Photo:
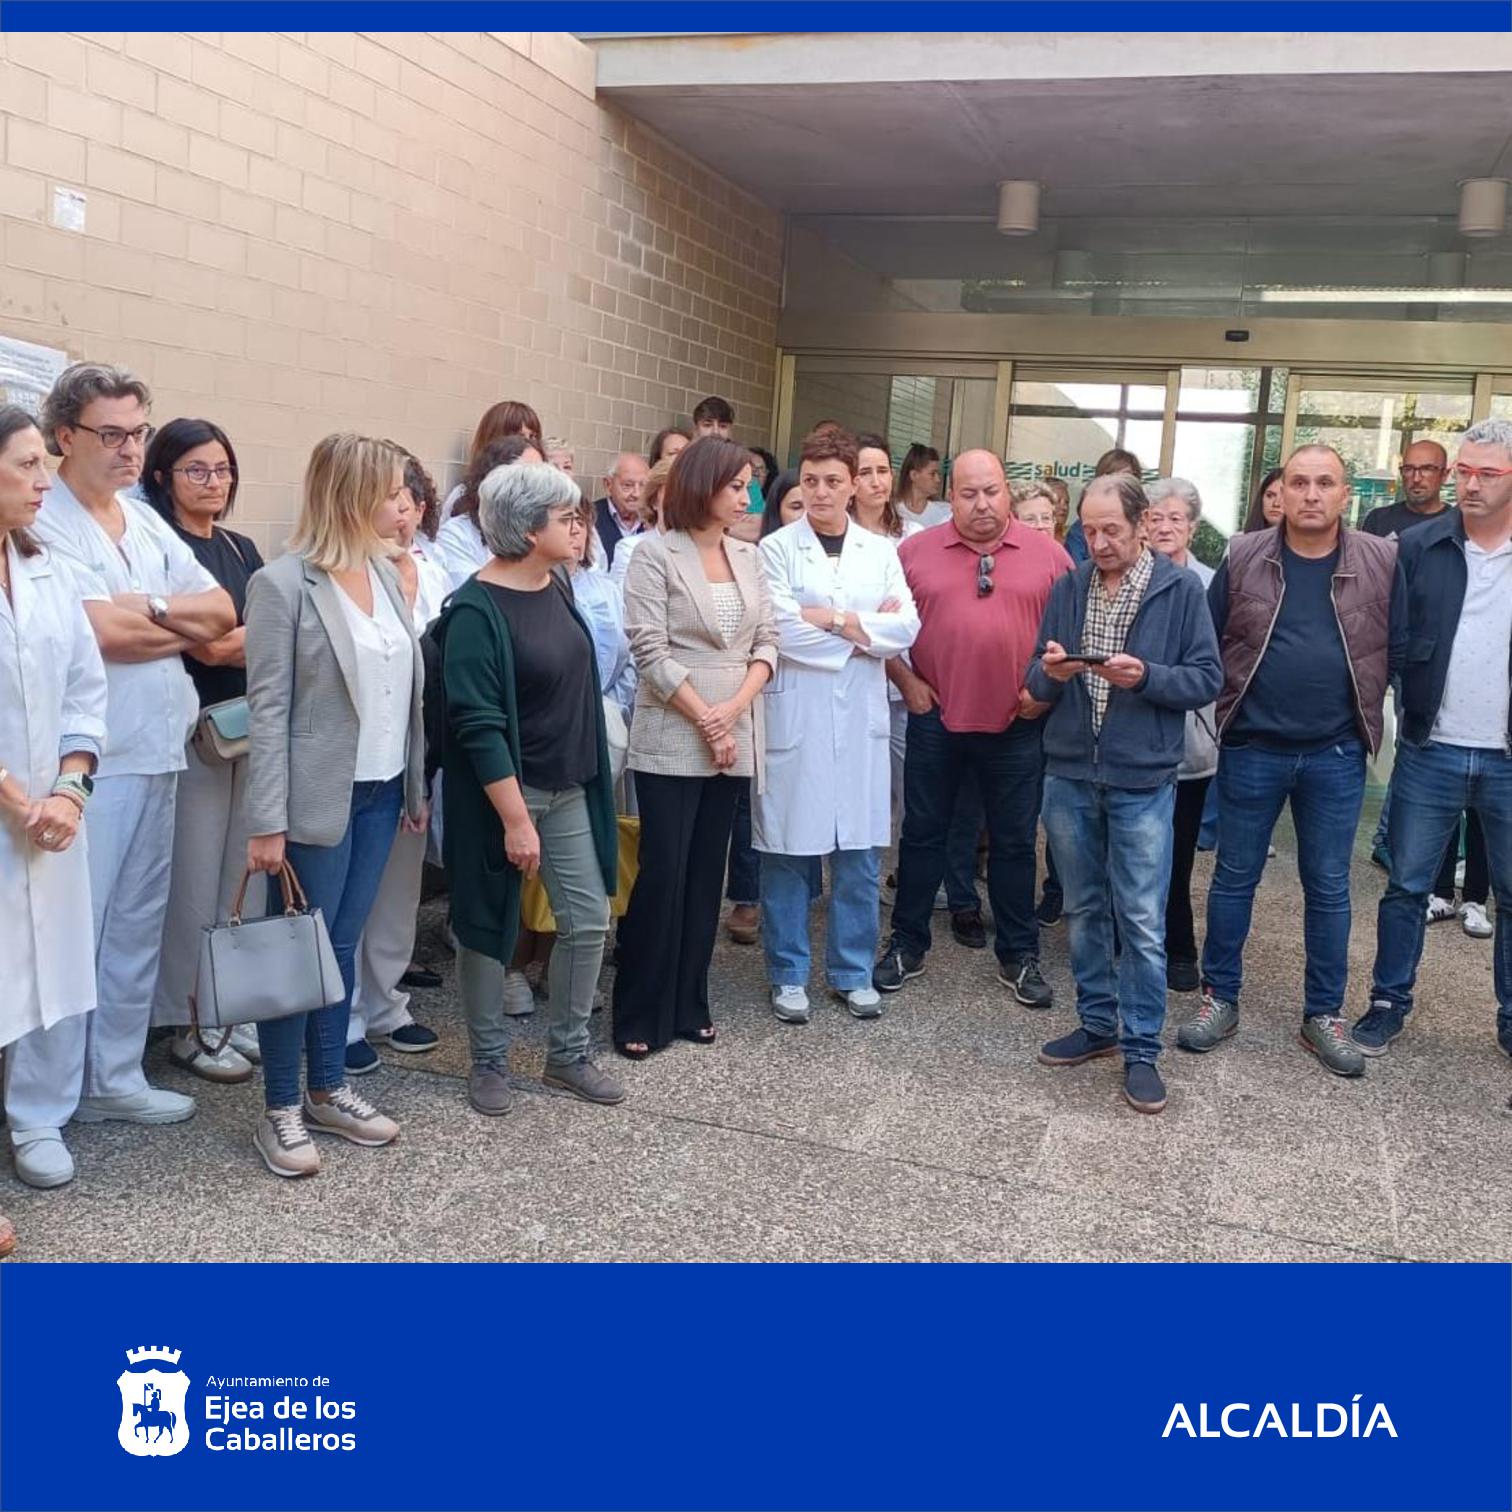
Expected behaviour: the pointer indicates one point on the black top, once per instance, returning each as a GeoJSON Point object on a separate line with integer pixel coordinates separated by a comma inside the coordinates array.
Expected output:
{"type": "Point", "coordinates": [554, 688]}
{"type": "Point", "coordinates": [230, 558]}
{"type": "Point", "coordinates": [1301, 697]}
{"type": "Point", "coordinates": [833, 544]}
{"type": "Point", "coordinates": [1394, 519]}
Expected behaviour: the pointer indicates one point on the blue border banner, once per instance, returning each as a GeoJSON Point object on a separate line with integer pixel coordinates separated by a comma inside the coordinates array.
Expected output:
{"type": "Point", "coordinates": [1402, 16]}
{"type": "Point", "coordinates": [743, 1387]}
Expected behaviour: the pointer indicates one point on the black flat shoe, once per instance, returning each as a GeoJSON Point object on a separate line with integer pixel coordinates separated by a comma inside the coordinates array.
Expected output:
{"type": "Point", "coordinates": [698, 1036]}
{"type": "Point", "coordinates": [633, 1054]}
{"type": "Point", "coordinates": [420, 976]}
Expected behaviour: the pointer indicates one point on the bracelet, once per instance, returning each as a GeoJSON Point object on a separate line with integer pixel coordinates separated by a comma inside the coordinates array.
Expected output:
{"type": "Point", "coordinates": [71, 785]}
{"type": "Point", "coordinates": [73, 796]}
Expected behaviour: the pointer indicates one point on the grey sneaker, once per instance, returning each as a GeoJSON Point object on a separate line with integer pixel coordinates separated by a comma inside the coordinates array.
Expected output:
{"type": "Point", "coordinates": [1214, 1022]}
{"type": "Point", "coordinates": [488, 1090]}
{"type": "Point", "coordinates": [351, 1117]}
{"type": "Point", "coordinates": [1327, 1036]}
{"type": "Point", "coordinates": [285, 1144]}
{"type": "Point", "coordinates": [584, 1079]}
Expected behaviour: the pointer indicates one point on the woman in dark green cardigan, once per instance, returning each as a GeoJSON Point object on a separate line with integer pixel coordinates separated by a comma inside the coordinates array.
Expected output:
{"type": "Point", "coordinates": [528, 784]}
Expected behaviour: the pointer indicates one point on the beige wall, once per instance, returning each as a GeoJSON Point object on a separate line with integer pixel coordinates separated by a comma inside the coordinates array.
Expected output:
{"type": "Point", "coordinates": [386, 233]}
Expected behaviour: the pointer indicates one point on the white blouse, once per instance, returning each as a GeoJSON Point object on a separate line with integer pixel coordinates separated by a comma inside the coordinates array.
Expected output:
{"type": "Point", "coordinates": [385, 672]}
{"type": "Point", "coordinates": [459, 543]}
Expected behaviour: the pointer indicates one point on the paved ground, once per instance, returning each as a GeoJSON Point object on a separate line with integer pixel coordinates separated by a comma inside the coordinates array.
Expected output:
{"type": "Point", "coordinates": [932, 1134]}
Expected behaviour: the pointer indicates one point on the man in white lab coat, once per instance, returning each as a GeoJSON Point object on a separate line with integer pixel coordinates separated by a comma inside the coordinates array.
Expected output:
{"type": "Point", "coordinates": [147, 599]}
{"type": "Point", "coordinates": [842, 607]}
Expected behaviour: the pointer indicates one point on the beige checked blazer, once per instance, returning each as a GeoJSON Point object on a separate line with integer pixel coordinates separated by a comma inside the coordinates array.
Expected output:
{"type": "Point", "coordinates": [674, 637]}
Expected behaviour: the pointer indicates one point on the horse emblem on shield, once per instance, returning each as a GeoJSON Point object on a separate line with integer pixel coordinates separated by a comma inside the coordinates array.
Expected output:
{"type": "Point", "coordinates": [153, 1389]}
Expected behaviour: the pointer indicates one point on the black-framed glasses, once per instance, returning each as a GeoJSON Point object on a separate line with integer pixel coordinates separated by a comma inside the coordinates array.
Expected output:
{"type": "Point", "coordinates": [985, 564]}
{"type": "Point", "coordinates": [200, 473]}
{"type": "Point", "coordinates": [113, 438]}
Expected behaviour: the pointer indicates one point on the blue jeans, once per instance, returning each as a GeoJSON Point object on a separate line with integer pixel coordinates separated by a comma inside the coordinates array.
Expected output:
{"type": "Point", "coordinates": [743, 880]}
{"type": "Point", "coordinates": [854, 920]}
{"type": "Point", "coordinates": [1007, 768]}
{"type": "Point", "coordinates": [1430, 787]}
{"type": "Point", "coordinates": [340, 880]}
{"type": "Point", "coordinates": [1114, 846]}
{"type": "Point", "coordinates": [961, 846]}
{"type": "Point", "coordinates": [1326, 789]}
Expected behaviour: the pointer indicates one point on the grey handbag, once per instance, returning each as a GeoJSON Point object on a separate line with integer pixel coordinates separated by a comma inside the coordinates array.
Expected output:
{"type": "Point", "coordinates": [254, 970]}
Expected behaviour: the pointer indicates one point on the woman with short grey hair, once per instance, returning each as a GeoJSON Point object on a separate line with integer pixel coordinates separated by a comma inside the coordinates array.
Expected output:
{"type": "Point", "coordinates": [527, 784]}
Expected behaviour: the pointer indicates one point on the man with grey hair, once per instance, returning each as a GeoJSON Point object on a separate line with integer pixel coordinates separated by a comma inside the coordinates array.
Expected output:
{"type": "Point", "coordinates": [617, 514]}
{"type": "Point", "coordinates": [148, 600]}
{"type": "Point", "coordinates": [1126, 648]}
{"type": "Point", "coordinates": [1303, 614]}
{"type": "Point", "coordinates": [1452, 647]}
{"type": "Point", "coordinates": [1175, 509]}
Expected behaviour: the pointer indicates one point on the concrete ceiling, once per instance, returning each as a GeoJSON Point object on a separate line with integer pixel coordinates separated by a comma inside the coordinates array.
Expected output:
{"type": "Point", "coordinates": [1188, 147]}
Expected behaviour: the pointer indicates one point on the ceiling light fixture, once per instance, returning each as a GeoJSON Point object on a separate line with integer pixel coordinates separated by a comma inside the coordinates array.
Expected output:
{"type": "Point", "coordinates": [1425, 295]}
{"type": "Point", "coordinates": [1018, 207]}
{"type": "Point", "coordinates": [1483, 207]}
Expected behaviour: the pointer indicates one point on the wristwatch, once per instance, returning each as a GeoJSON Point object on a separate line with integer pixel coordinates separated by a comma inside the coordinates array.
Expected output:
{"type": "Point", "coordinates": [837, 621]}
{"type": "Point", "coordinates": [157, 607]}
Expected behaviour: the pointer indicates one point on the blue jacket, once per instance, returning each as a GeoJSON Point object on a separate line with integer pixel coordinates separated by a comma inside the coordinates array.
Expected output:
{"type": "Point", "coordinates": [1431, 575]}
{"type": "Point", "coordinates": [1144, 730]}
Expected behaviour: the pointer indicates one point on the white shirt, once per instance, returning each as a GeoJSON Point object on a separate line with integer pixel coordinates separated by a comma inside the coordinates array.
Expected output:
{"type": "Point", "coordinates": [432, 586]}
{"type": "Point", "coordinates": [152, 705]}
{"type": "Point", "coordinates": [385, 672]}
{"type": "Point", "coordinates": [459, 544]}
{"type": "Point", "coordinates": [620, 567]}
{"type": "Point", "coordinates": [936, 512]}
{"type": "Point", "coordinates": [1474, 710]}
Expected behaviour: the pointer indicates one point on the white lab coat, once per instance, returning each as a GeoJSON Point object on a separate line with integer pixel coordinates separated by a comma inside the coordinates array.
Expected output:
{"type": "Point", "coordinates": [828, 784]}
{"type": "Point", "coordinates": [52, 697]}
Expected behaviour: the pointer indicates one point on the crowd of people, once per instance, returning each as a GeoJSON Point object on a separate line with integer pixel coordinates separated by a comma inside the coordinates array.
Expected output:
{"type": "Point", "coordinates": [760, 679]}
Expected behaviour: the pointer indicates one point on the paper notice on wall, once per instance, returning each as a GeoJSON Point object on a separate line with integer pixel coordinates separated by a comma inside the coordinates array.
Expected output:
{"type": "Point", "coordinates": [27, 371]}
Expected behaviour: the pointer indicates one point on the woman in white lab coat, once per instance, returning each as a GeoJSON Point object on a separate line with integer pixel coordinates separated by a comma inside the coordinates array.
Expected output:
{"type": "Point", "coordinates": [52, 730]}
{"type": "Point", "coordinates": [842, 607]}
{"type": "Point", "coordinates": [459, 542]}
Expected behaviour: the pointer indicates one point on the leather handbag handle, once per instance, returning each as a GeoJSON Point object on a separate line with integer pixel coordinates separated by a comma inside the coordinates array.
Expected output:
{"type": "Point", "coordinates": [295, 901]}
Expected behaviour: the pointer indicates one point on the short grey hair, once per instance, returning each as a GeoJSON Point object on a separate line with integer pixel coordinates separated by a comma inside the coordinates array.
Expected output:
{"type": "Point", "coordinates": [77, 387]}
{"type": "Point", "coordinates": [1490, 432]}
{"type": "Point", "coordinates": [514, 502]}
{"type": "Point", "coordinates": [1176, 488]}
{"type": "Point", "coordinates": [1130, 491]}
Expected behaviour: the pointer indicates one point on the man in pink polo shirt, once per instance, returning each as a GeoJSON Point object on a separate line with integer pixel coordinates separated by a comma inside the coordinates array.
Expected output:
{"type": "Point", "coordinates": [980, 581]}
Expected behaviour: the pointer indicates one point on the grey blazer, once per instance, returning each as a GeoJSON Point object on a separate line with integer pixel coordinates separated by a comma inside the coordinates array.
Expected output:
{"type": "Point", "coordinates": [674, 636]}
{"type": "Point", "coordinates": [301, 694]}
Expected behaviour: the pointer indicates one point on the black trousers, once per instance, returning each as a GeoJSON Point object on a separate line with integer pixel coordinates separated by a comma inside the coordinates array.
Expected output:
{"type": "Point", "coordinates": [661, 986]}
{"type": "Point", "coordinates": [1477, 872]}
{"type": "Point", "coordinates": [1181, 934]}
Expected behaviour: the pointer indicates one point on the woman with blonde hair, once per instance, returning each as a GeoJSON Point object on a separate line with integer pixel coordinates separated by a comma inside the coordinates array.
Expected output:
{"type": "Point", "coordinates": [336, 762]}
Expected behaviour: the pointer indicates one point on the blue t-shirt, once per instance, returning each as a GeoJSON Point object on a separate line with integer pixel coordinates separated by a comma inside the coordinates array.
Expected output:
{"type": "Point", "coordinates": [1301, 697]}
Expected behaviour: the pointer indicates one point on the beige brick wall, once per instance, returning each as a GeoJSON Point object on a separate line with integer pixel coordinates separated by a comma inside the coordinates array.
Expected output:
{"type": "Point", "coordinates": [385, 233]}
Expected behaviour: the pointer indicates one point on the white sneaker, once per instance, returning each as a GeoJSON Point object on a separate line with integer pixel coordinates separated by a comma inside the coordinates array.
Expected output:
{"type": "Point", "coordinates": [42, 1159]}
{"type": "Point", "coordinates": [351, 1117]}
{"type": "Point", "coordinates": [1475, 923]}
{"type": "Point", "coordinates": [863, 1002]}
{"type": "Point", "coordinates": [791, 1004]}
{"type": "Point", "coordinates": [942, 900]}
{"type": "Point", "coordinates": [519, 1000]}
{"type": "Point", "coordinates": [246, 1044]}
{"type": "Point", "coordinates": [152, 1105]}
{"type": "Point", "coordinates": [1440, 909]}
{"type": "Point", "coordinates": [285, 1144]}
{"type": "Point", "coordinates": [226, 1065]}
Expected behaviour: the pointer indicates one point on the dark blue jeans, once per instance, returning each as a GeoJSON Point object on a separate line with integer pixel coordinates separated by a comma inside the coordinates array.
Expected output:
{"type": "Point", "coordinates": [1007, 768]}
{"type": "Point", "coordinates": [1326, 789]}
{"type": "Point", "coordinates": [1116, 844]}
{"type": "Point", "coordinates": [340, 880]}
{"type": "Point", "coordinates": [1431, 786]}
{"type": "Point", "coordinates": [961, 847]}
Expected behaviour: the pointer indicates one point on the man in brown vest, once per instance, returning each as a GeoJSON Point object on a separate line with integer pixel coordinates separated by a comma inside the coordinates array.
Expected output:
{"type": "Point", "coordinates": [1303, 614]}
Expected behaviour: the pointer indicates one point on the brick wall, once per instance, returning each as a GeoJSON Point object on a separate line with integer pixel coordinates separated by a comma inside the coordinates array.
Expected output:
{"type": "Point", "coordinates": [384, 233]}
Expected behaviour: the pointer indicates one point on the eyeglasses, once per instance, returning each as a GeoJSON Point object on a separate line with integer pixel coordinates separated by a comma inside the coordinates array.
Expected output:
{"type": "Point", "coordinates": [1421, 467]}
{"type": "Point", "coordinates": [1465, 474]}
{"type": "Point", "coordinates": [113, 438]}
{"type": "Point", "coordinates": [985, 564]}
{"type": "Point", "coordinates": [200, 473]}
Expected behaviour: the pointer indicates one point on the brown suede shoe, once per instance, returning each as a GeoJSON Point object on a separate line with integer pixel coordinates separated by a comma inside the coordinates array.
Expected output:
{"type": "Point", "coordinates": [744, 924]}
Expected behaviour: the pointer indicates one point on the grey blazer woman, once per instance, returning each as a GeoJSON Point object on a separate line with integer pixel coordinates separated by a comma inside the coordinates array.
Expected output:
{"type": "Point", "coordinates": [301, 693]}
{"type": "Point", "coordinates": [673, 629]}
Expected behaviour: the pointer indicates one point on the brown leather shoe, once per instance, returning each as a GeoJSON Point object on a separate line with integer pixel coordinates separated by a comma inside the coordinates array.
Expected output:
{"type": "Point", "coordinates": [7, 1236]}
{"type": "Point", "coordinates": [744, 924]}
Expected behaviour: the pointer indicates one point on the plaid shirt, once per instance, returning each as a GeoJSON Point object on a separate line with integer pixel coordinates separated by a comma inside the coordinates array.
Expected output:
{"type": "Point", "coordinates": [1107, 626]}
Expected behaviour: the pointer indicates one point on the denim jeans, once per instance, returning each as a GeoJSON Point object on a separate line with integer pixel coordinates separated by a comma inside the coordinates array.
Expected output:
{"type": "Point", "coordinates": [743, 879]}
{"type": "Point", "coordinates": [853, 924]}
{"type": "Point", "coordinates": [340, 880]}
{"type": "Point", "coordinates": [574, 884]}
{"type": "Point", "coordinates": [1326, 789]}
{"type": "Point", "coordinates": [1008, 768]}
{"type": "Point", "coordinates": [961, 846]}
{"type": "Point", "coordinates": [1114, 846]}
{"type": "Point", "coordinates": [1431, 786]}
